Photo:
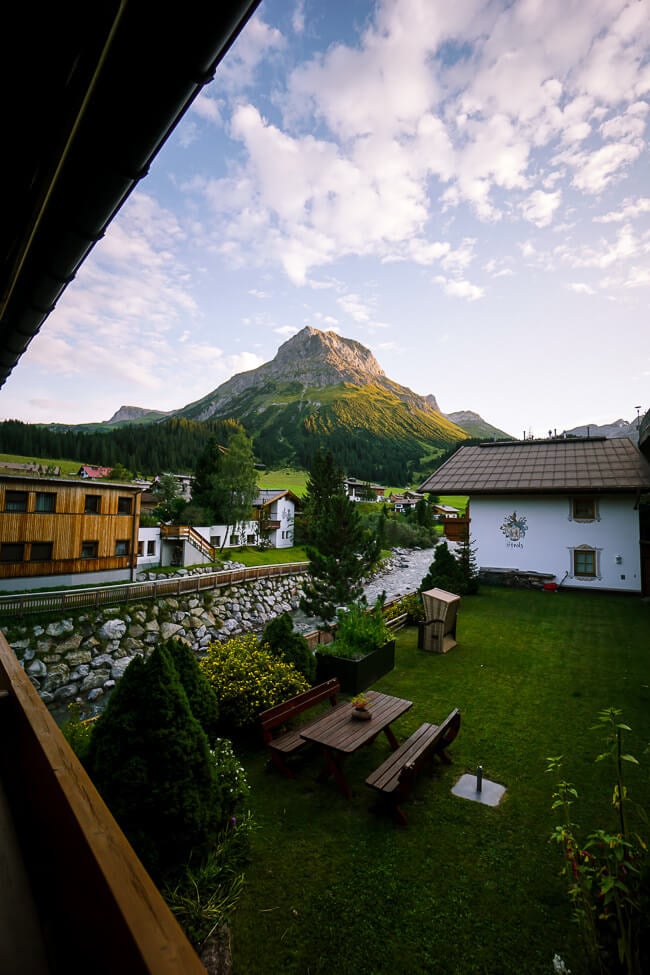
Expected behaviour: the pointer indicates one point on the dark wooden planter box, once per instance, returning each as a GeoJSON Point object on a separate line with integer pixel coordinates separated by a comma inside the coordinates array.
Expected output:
{"type": "Point", "coordinates": [356, 675]}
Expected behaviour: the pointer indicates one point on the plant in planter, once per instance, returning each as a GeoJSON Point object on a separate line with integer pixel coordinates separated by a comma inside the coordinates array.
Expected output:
{"type": "Point", "coordinates": [361, 707]}
{"type": "Point", "coordinates": [363, 649]}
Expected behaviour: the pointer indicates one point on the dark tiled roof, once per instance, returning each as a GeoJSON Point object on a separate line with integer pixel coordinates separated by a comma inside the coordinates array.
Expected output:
{"type": "Point", "coordinates": [553, 466]}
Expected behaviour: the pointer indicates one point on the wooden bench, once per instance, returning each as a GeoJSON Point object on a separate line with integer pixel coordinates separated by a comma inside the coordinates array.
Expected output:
{"type": "Point", "coordinates": [395, 778]}
{"type": "Point", "coordinates": [282, 740]}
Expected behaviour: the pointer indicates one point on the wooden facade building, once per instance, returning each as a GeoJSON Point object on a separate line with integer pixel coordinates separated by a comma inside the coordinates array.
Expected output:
{"type": "Point", "coordinates": [65, 529]}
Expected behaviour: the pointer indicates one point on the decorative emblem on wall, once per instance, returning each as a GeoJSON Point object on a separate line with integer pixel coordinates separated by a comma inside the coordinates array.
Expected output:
{"type": "Point", "coordinates": [514, 527]}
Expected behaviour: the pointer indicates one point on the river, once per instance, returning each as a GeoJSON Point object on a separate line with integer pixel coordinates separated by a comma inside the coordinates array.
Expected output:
{"type": "Point", "coordinates": [408, 567]}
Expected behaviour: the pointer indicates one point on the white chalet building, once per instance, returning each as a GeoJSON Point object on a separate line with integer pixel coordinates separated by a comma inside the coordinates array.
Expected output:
{"type": "Point", "coordinates": [568, 508]}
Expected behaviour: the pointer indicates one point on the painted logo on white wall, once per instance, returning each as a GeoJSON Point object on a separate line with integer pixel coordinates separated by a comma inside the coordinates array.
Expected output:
{"type": "Point", "coordinates": [514, 527]}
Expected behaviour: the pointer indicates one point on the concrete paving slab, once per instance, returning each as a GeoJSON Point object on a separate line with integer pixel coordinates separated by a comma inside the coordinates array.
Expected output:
{"type": "Point", "coordinates": [490, 794]}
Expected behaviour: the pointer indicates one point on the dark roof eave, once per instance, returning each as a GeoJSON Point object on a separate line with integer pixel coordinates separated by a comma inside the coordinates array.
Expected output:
{"type": "Point", "coordinates": [132, 110]}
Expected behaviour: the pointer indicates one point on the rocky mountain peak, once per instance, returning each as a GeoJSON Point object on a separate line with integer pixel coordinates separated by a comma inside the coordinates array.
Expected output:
{"type": "Point", "coordinates": [318, 358]}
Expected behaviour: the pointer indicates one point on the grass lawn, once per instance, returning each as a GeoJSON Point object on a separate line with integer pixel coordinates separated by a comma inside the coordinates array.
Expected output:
{"type": "Point", "coordinates": [68, 467]}
{"type": "Point", "coordinates": [466, 888]}
{"type": "Point", "coordinates": [270, 556]}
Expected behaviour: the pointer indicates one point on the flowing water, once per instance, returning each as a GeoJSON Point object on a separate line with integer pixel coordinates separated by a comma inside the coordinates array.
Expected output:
{"type": "Point", "coordinates": [408, 567]}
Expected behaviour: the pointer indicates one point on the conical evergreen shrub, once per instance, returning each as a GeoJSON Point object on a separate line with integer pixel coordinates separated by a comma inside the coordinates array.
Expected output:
{"type": "Point", "coordinates": [287, 643]}
{"type": "Point", "coordinates": [201, 697]}
{"type": "Point", "coordinates": [150, 760]}
{"type": "Point", "coordinates": [444, 572]}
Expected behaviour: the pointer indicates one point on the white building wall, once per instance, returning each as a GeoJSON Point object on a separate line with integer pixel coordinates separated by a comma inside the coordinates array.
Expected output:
{"type": "Point", "coordinates": [549, 534]}
{"type": "Point", "coordinates": [284, 512]}
{"type": "Point", "coordinates": [150, 539]}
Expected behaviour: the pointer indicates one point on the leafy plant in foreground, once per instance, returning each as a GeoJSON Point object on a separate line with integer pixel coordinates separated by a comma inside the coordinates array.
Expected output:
{"type": "Point", "coordinates": [205, 897]}
{"type": "Point", "coordinates": [607, 873]}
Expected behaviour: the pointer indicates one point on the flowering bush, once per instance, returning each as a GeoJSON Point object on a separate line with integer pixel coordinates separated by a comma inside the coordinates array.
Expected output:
{"type": "Point", "coordinates": [247, 679]}
{"type": "Point", "coordinates": [230, 776]}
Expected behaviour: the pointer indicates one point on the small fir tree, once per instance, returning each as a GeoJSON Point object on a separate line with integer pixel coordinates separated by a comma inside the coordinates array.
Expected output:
{"type": "Point", "coordinates": [468, 567]}
{"type": "Point", "coordinates": [291, 646]}
{"type": "Point", "coordinates": [444, 572]}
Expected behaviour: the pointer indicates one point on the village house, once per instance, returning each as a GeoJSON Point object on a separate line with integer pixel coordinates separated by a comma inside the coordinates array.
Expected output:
{"type": "Point", "coordinates": [57, 531]}
{"type": "Point", "coordinates": [406, 501]}
{"type": "Point", "coordinates": [357, 490]}
{"type": "Point", "coordinates": [271, 524]}
{"type": "Point", "coordinates": [92, 473]}
{"type": "Point", "coordinates": [567, 509]}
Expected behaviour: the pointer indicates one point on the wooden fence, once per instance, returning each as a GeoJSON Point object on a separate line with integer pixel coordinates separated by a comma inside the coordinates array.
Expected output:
{"type": "Point", "coordinates": [56, 601]}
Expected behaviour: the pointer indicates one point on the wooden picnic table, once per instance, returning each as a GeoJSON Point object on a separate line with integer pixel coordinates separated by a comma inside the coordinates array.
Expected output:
{"type": "Point", "coordinates": [340, 734]}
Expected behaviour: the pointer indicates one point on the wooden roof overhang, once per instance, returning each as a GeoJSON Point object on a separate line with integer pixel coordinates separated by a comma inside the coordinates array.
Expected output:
{"type": "Point", "coordinates": [91, 92]}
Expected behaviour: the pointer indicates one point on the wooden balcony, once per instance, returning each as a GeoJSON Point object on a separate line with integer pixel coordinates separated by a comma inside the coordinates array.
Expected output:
{"type": "Point", "coordinates": [74, 896]}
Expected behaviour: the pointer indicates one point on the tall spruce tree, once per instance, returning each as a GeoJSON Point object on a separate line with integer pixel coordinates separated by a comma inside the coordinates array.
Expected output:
{"type": "Point", "coordinates": [150, 760]}
{"type": "Point", "coordinates": [325, 480]}
{"type": "Point", "coordinates": [342, 551]}
{"type": "Point", "coordinates": [225, 481]}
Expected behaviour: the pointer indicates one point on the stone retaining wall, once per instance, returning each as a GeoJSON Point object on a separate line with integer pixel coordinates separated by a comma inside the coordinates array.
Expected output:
{"type": "Point", "coordinates": [80, 657]}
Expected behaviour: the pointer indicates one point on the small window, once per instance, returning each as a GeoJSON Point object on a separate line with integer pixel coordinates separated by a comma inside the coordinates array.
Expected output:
{"type": "Point", "coordinates": [124, 506]}
{"type": "Point", "coordinates": [122, 547]}
{"type": "Point", "coordinates": [584, 509]}
{"type": "Point", "coordinates": [45, 501]}
{"type": "Point", "coordinates": [140, 549]}
{"type": "Point", "coordinates": [151, 547]}
{"type": "Point", "coordinates": [92, 504]}
{"type": "Point", "coordinates": [215, 541]}
{"type": "Point", "coordinates": [16, 501]}
{"type": "Point", "coordinates": [41, 552]}
{"type": "Point", "coordinates": [584, 562]}
{"type": "Point", "coordinates": [89, 550]}
{"type": "Point", "coordinates": [12, 552]}
{"type": "Point", "coordinates": [234, 539]}
{"type": "Point", "coordinates": [250, 539]}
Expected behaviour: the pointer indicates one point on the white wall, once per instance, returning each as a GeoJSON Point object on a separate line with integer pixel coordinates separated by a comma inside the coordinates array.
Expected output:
{"type": "Point", "coordinates": [550, 534]}
{"type": "Point", "coordinates": [148, 535]}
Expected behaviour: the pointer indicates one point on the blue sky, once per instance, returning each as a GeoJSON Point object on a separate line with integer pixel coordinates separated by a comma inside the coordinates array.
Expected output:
{"type": "Point", "coordinates": [462, 187]}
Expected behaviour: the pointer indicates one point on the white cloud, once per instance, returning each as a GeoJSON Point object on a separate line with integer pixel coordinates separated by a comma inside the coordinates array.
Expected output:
{"type": "Point", "coordinates": [539, 207]}
{"type": "Point", "coordinates": [405, 131]}
{"type": "Point", "coordinates": [257, 41]}
{"type": "Point", "coordinates": [459, 288]}
{"type": "Point", "coordinates": [208, 108]}
{"type": "Point", "coordinates": [630, 210]}
{"type": "Point", "coordinates": [595, 170]}
{"type": "Point", "coordinates": [461, 257]}
{"type": "Point", "coordinates": [298, 17]}
{"type": "Point", "coordinates": [581, 289]}
{"type": "Point", "coordinates": [355, 307]}
{"type": "Point", "coordinates": [604, 254]}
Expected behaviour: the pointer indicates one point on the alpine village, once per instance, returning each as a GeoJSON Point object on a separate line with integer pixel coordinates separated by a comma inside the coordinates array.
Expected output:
{"type": "Point", "coordinates": [309, 676]}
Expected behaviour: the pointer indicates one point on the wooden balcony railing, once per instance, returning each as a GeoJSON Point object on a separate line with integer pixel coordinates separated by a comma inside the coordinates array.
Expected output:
{"type": "Point", "coordinates": [186, 533]}
{"type": "Point", "coordinates": [96, 906]}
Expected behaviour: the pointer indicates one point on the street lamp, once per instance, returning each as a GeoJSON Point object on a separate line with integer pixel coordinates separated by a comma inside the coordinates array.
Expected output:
{"type": "Point", "coordinates": [638, 416]}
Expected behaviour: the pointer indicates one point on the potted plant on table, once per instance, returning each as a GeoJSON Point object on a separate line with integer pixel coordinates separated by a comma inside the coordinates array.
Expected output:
{"type": "Point", "coordinates": [363, 649]}
{"type": "Point", "coordinates": [361, 707]}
